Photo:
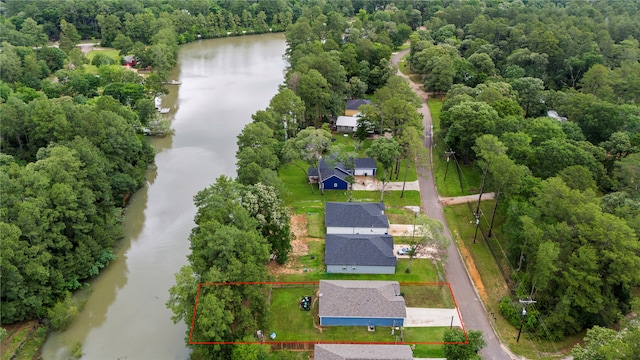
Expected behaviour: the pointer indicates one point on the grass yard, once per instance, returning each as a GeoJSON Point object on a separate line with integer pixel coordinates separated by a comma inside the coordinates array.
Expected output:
{"type": "Point", "coordinates": [315, 225]}
{"type": "Point", "coordinates": [290, 323]}
{"type": "Point", "coordinates": [412, 175]}
{"type": "Point", "coordinates": [449, 185]}
{"type": "Point", "coordinates": [431, 334]}
{"type": "Point", "coordinates": [422, 270]}
{"type": "Point", "coordinates": [301, 200]}
{"type": "Point", "coordinates": [110, 52]}
{"type": "Point", "coordinates": [428, 296]}
{"type": "Point", "coordinates": [400, 215]}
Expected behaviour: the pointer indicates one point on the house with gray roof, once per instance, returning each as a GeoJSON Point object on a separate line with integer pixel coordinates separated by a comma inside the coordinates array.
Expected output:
{"type": "Point", "coordinates": [334, 177]}
{"type": "Point", "coordinates": [359, 254]}
{"type": "Point", "coordinates": [360, 303]}
{"type": "Point", "coordinates": [356, 218]}
{"type": "Point", "coordinates": [347, 124]}
{"type": "Point", "coordinates": [362, 352]}
{"type": "Point", "coordinates": [365, 167]}
{"type": "Point", "coordinates": [353, 106]}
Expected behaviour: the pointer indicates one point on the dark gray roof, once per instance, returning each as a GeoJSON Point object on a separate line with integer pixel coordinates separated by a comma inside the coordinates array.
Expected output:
{"type": "Point", "coordinates": [370, 250]}
{"type": "Point", "coordinates": [356, 298]}
{"type": "Point", "coordinates": [355, 214]}
{"type": "Point", "coordinates": [367, 163]}
{"type": "Point", "coordinates": [339, 169]}
{"type": "Point", "coordinates": [355, 103]}
{"type": "Point", "coordinates": [362, 352]}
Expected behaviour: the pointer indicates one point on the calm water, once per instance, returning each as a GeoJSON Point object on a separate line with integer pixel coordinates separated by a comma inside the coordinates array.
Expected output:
{"type": "Point", "coordinates": [224, 81]}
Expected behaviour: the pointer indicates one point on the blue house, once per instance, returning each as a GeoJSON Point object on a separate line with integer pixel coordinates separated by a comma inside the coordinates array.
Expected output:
{"type": "Point", "coordinates": [330, 178]}
{"type": "Point", "coordinates": [360, 303]}
{"type": "Point", "coordinates": [335, 177]}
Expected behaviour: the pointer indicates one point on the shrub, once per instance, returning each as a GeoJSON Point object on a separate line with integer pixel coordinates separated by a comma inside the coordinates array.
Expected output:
{"type": "Point", "coordinates": [62, 313]}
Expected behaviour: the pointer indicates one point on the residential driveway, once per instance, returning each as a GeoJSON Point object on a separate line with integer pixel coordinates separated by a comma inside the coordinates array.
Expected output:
{"type": "Point", "coordinates": [423, 317]}
{"type": "Point", "coordinates": [425, 253]}
{"type": "Point", "coordinates": [372, 184]}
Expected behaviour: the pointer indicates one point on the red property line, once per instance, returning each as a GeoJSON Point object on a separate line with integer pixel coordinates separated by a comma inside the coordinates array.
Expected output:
{"type": "Point", "coordinates": [195, 307]}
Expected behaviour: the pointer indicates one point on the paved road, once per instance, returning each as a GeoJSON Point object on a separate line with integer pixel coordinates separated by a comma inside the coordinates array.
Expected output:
{"type": "Point", "coordinates": [474, 316]}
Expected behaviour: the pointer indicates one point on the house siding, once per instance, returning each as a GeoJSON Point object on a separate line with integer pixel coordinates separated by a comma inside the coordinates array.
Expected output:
{"type": "Point", "coordinates": [360, 269]}
{"type": "Point", "coordinates": [351, 230]}
{"type": "Point", "coordinates": [335, 183]}
{"type": "Point", "coordinates": [365, 172]}
{"type": "Point", "coordinates": [345, 129]}
{"type": "Point", "coordinates": [349, 321]}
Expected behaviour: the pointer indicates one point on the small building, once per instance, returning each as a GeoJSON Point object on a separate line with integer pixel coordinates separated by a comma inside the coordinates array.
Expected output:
{"type": "Point", "coordinates": [129, 60]}
{"type": "Point", "coordinates": [360, 303]}
{"type": "Point", "coordinates": [356, 218]}
{"type": "Point", "coordinates": [353, 106]}
{"type": "Point", "coordinates": [335, 178]}
{"type": "Point", "coordinates": [362, 352]}
{"type": "Point", "coordinates": [347, 124]}
{"type": "Point", "coordinates": [365, 167]}
{"type": "Point", "coordinates": [359, 254]}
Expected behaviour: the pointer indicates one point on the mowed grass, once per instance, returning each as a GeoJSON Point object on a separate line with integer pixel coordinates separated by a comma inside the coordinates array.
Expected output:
{"type": "Point", "coordinates": [446, 176]}
{"type": "Point", "coordinates": [421, 270]}
{"type": "Point", "coordinates": [110, 52]}
{"type": "Point", "coordinates": [290, 323]}
{"type": "Point", "coordinates": [427, 296]}
{"type": "Point", "coordinates": [302, 200]}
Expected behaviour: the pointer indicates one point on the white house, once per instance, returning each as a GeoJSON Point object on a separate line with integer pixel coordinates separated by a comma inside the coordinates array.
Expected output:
{"type": "Point", "coordinates": [347, 124]}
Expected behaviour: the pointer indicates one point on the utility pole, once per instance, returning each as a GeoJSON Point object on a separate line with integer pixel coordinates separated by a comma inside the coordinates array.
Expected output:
{"type": "Point", "coordinates": [449, 153]}
{"type": "Point", "coordinates": [524, 313]}
{"type": "Point", "coordinates": [477, 216]}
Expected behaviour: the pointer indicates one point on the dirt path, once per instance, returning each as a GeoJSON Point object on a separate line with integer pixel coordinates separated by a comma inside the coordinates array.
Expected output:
{"type": "Point", "coordinates": [299, 247]}
{"type": "Point", "coordinates": [464, 199]}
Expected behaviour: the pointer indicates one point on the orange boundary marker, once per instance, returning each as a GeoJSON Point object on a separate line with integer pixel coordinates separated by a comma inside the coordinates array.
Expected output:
{"type": "Point", "coordinates": [207, 284]}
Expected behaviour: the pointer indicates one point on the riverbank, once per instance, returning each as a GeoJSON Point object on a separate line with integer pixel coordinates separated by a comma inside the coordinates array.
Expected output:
{"type": "Point", "coordinates": [23, 340]}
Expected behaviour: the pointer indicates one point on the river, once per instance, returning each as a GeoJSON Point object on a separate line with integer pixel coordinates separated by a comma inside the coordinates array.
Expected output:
{"type": "Point", "coordinates": [224, 81]}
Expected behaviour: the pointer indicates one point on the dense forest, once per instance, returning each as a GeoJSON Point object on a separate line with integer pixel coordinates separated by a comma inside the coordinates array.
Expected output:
{"type": "Point", "coordinates": [566, 181]}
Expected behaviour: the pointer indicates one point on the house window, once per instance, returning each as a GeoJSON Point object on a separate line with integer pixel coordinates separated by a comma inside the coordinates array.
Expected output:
{"type": "Point", "coordinates": [335, 184]}
{"type": "Point", "coordinates": [344, 267]}
{"type": "Point", "coordinates": [353, 267]}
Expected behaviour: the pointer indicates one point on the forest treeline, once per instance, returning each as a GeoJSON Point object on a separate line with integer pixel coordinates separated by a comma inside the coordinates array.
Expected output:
{"type": "Point", "coordinates": [567, 182]}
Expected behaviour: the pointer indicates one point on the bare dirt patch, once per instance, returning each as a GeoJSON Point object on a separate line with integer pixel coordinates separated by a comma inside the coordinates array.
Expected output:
{"type": "Point", "coordinates": [464, 199]}
{"type": "Point", "coordinates": [471, 268]}
{"type": "Point", "coordinates": [17, 334]}
{"type": "Point", "coordinates": [299, 247]}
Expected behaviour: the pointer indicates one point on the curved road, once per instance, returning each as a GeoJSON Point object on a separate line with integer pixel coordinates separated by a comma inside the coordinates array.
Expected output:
{"type": "Point", "coordinates": [474, 315]}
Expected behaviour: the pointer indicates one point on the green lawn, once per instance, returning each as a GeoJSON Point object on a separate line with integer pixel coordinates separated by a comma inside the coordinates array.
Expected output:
{"type": "Point", "coordinates": [301, 200]}
{"type": "Point", "coordinates": [290, 323]}
{"type": "Point", "coordinates": [412, 175]}
{"type": "Point", "coordinates": [428, 296]}
{"type": "Point", "coordinates": [422, 270]}
{"type": "Point", "coordinates": [112, 53]}
{"type": "Point", "coordinates": [447, 180]}
{"type": "Point", "coordinates": [315, 224]}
